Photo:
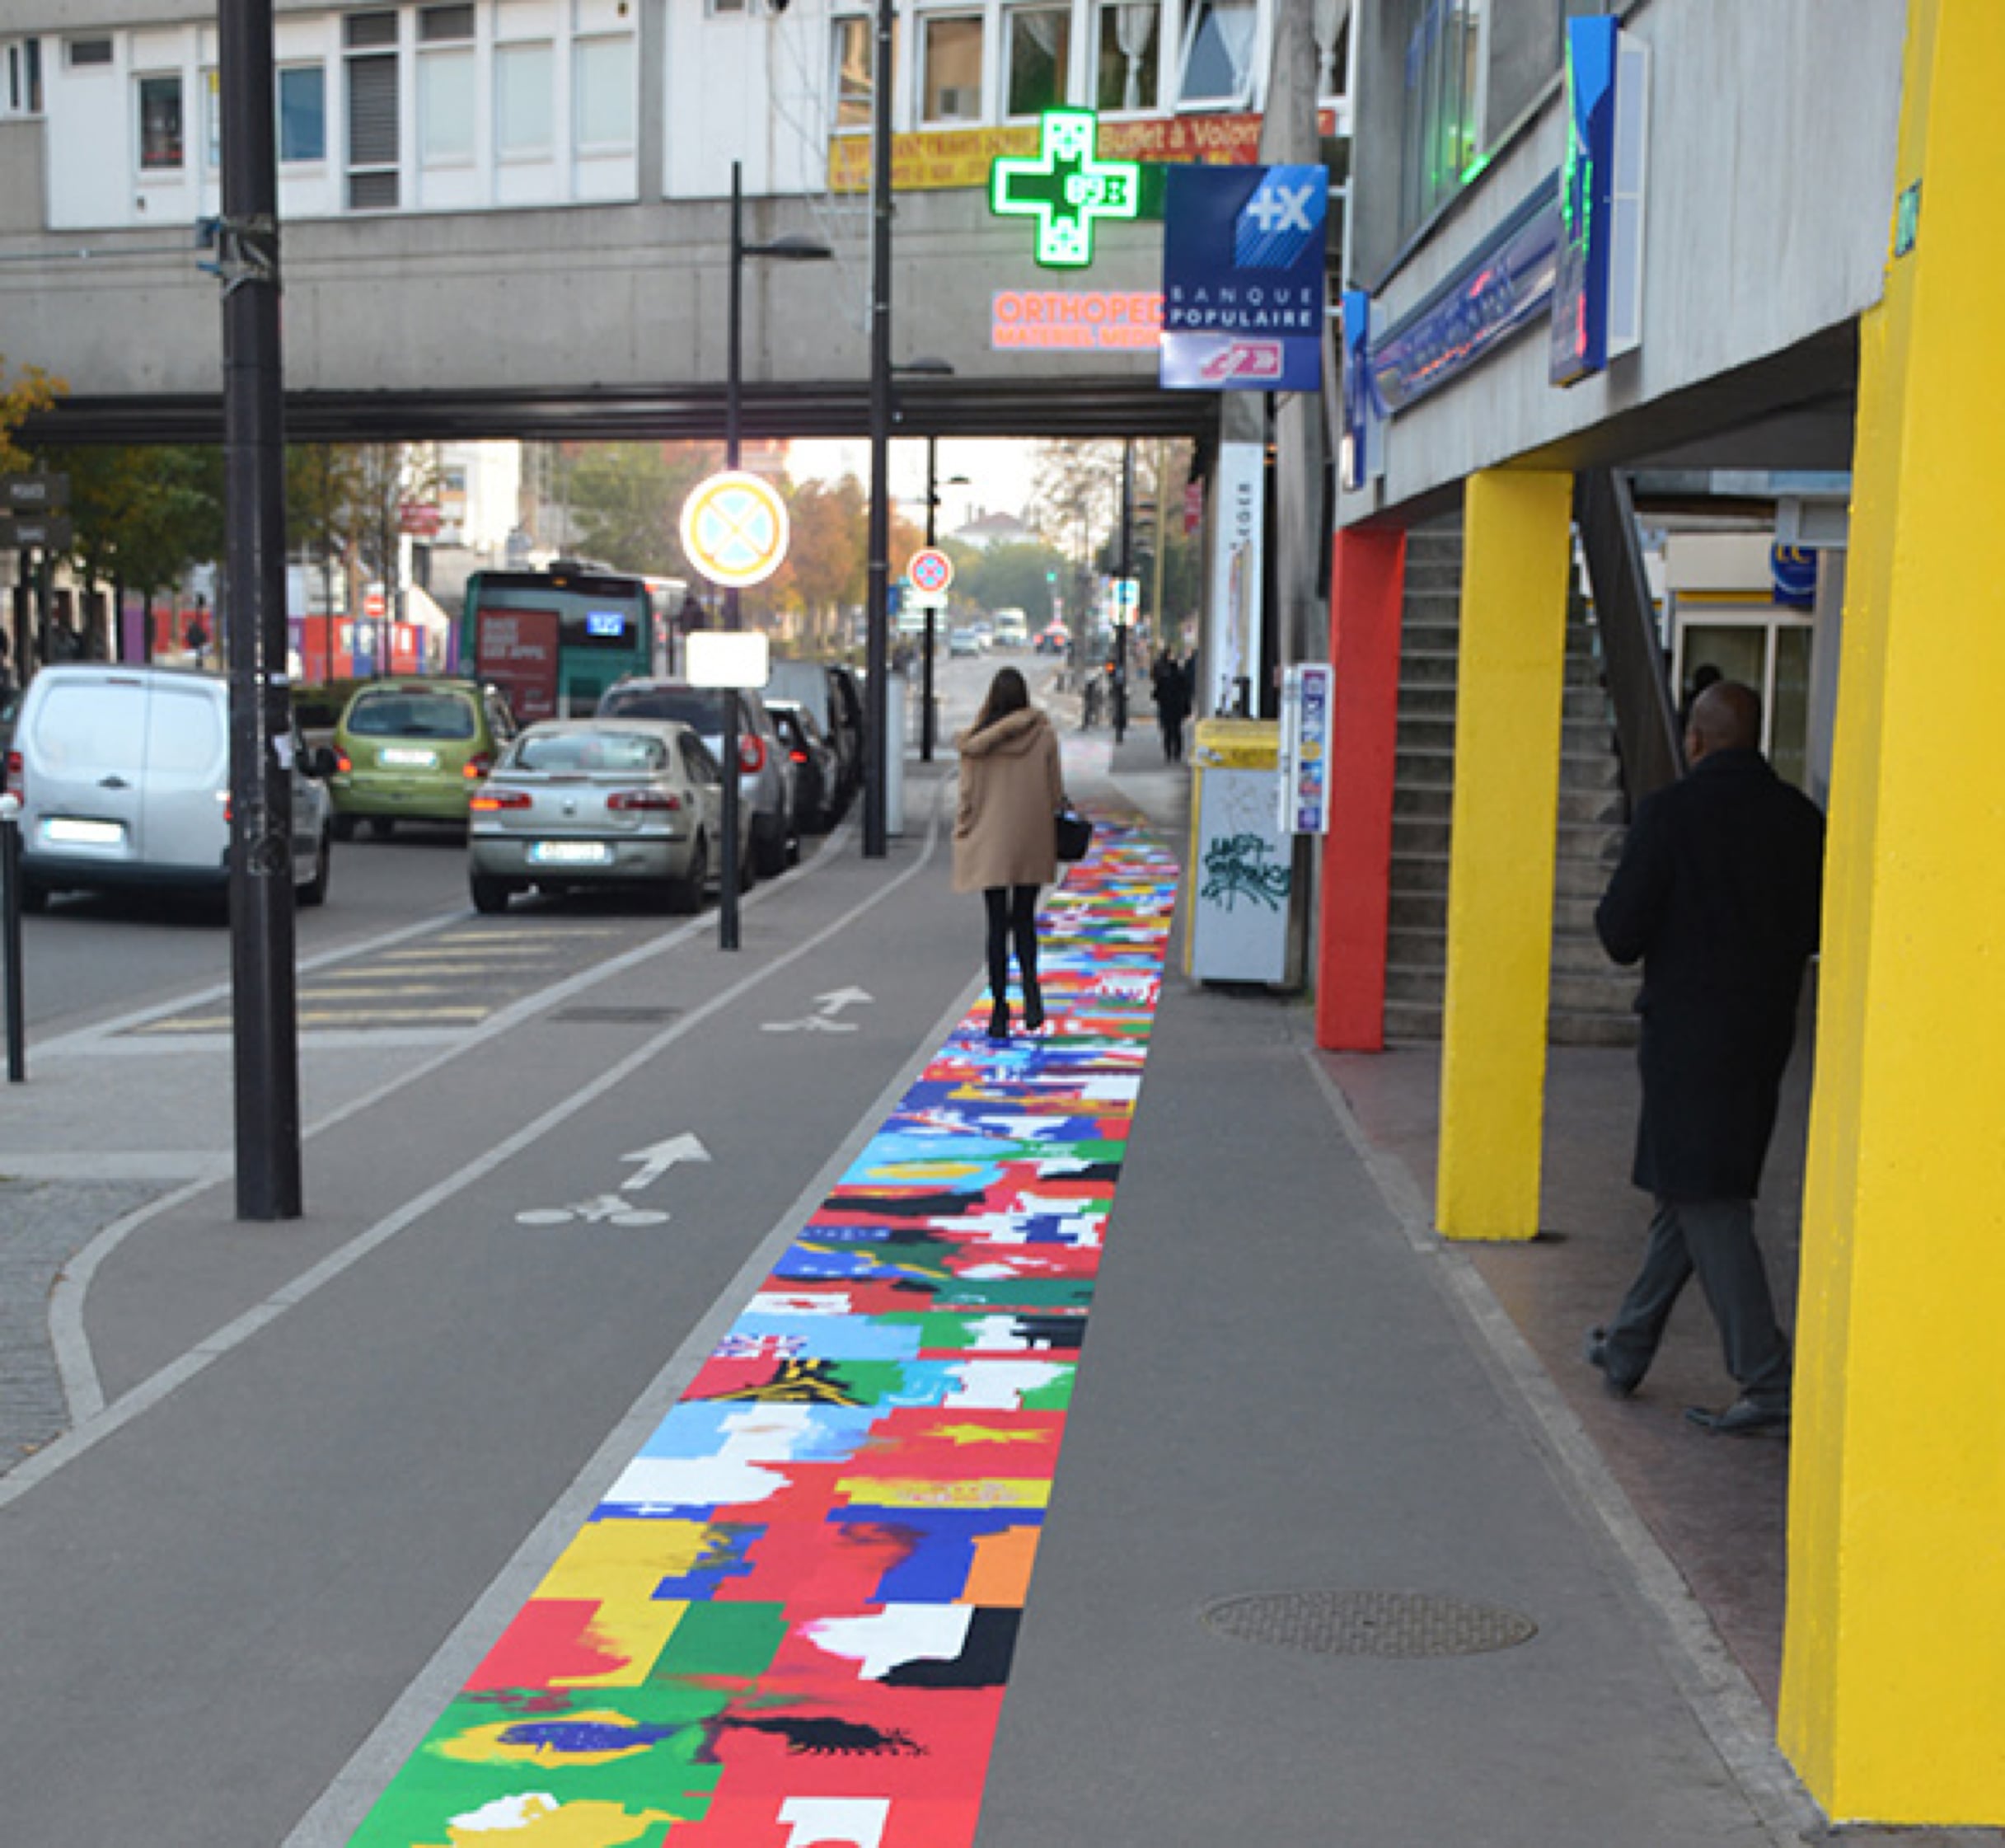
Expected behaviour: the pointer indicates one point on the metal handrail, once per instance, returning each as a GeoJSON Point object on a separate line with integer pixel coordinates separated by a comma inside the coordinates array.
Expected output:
{"type": "Point", "coordinates": [1647, 729]}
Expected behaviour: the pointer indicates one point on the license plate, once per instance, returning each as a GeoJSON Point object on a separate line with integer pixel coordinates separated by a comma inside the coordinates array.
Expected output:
{"type": "Point", "coordinates": [569, 853]}
{"type": "Point", "coordinates": [401, 756]}
{"type": "Point", "coordinates": [72, 832]}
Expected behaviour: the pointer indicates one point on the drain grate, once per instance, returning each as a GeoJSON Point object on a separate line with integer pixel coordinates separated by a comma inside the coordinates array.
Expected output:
{"type": "Point", "coordinates": [1394, 1624]}
{"type": "Point", "coordinates": [615, 1016]}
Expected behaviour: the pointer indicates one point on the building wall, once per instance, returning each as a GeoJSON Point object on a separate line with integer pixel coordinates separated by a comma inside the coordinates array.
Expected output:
{"type": "Point", "coordinates": [1770, 187]}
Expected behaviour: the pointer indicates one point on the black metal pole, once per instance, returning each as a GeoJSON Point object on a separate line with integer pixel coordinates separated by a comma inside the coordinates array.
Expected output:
{"type": "Point", "coordinates": [10, 870]}
{"type": "Point", "coordinates": [877, 650]}
{"type": "Point", "coordinates": [1121, 594]}
{"type": "Point", "coordinates": [925, 657]}
{"type": "Point", "coordinates": [264, 996]}
{"type": "Point", "coordinates": [727, 884]}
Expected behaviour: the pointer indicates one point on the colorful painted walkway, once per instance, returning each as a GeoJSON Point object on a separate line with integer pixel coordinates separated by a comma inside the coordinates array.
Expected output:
{"type": "Point", "coordinates": [789, 1623]}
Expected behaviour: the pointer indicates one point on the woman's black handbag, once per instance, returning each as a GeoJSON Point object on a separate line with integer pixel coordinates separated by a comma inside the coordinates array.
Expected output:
{"type": "Point", "coordinates": [1074, 834]}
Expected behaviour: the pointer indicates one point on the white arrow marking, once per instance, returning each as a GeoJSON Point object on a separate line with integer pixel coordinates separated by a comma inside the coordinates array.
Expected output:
{"type": "Point", "coordinates": [657, 1161]}
{"type": "Point", "coordinates": [831, 1004]}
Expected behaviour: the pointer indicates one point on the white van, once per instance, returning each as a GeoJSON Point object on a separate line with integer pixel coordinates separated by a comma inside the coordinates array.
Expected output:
{"type": "Point", "coordinates": [1012, 629]}
{"type": "Point", "coordinates": [123, 777]}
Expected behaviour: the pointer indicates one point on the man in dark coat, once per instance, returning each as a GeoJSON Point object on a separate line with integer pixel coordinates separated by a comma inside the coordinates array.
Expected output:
{"type": "Point", "coordinates": [1173, 704]}
{"type": "Point", "coordinates": [1718, 892]}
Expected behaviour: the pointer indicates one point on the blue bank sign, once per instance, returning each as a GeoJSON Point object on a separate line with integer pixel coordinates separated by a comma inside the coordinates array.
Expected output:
{"type": "Point", "coordinates": [1243, 278]}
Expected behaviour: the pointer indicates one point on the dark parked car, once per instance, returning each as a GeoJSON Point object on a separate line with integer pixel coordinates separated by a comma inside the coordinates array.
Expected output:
{"type": "Point", "coordinates": [832, 694]}
{"type": "Point", "coordinates": [817, 772]}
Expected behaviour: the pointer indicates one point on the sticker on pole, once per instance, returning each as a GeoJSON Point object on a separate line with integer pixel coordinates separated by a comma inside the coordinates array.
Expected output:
{"type": "Point", "coordinates": [734, 529]}
{"type": "Point", "coordinates": [930, 573]}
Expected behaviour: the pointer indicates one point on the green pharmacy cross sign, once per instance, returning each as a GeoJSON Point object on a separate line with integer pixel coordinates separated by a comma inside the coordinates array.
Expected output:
{"type": "Point", "coordinates": [1064, 188]}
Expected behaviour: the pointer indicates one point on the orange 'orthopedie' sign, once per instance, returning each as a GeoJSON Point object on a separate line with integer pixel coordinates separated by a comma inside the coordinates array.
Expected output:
{"type": "Point", "coordinates": [1081, 320]}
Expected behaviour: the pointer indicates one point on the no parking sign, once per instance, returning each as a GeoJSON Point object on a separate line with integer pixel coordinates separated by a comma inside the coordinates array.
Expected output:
{"type": "Point", "coordinates": [734, 529]}
{"type": "Point", "coordinates": [930, 571]}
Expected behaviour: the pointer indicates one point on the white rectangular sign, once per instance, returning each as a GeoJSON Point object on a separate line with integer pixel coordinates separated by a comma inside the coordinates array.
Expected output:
{"type": "Point", "coordinates": [1232, 599]}
{"type": "Point", "coordinates": [719, 658]}
{"type": "Point", "coordinates": [1308, 691]}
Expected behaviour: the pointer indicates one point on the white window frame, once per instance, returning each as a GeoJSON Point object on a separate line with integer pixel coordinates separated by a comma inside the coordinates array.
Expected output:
{"type": "Point", "coordinates": [159, 172]}
{"type": "Point", "coordinates": [924, 22]}
{"type": "Point", "coordinates": [528, 153]}
{"type": "Point", "coordinates": [1247, 96]}
{"type": "Point", "coordinates": [292, 67]}
{"type": "Point", "coordinates": [1069, 85]}
{"type": "Point", "coordinates": [581, 47]}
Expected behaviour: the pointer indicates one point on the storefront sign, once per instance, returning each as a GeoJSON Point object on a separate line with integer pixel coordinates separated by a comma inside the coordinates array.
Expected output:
{"type": "Point", "coordinates": [937, 160]}
{"type": "Point", "coordinates": [1243, 278]}
{"type": "Point", "coordinates": [1360, 444]}
{"type": "Point", "coordinates": [1495, 293]}
{"type": "Point", "coordinates": [1597, 293]}
{"type": "Point", "coordinates": [1085, 319]}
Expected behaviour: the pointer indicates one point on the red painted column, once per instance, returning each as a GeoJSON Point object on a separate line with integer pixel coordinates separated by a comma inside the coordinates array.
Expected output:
{"type": "Point", "coordinates": [1367, 584]}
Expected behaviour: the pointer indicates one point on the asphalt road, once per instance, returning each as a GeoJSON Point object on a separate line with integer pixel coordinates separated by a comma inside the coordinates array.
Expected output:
{"type": "Point", "coordinates": [309, 1448]}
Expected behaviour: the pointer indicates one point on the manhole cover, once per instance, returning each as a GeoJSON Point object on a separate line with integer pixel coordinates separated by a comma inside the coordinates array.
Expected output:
{"type": "Point", "coordinates": [1368, 1623]}
{"type": "Point", "coordinates": [615, 1016]}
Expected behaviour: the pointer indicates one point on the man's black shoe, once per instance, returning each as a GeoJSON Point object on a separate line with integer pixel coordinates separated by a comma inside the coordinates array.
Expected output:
{"type": "Point", "coordinates": [1595, 1354]}
{"type": "Point", "coordinates": [1742, 1418]}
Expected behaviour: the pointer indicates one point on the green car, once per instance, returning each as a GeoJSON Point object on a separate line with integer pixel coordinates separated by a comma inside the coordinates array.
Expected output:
{"type": "Point", "coordinates": [414, 750]}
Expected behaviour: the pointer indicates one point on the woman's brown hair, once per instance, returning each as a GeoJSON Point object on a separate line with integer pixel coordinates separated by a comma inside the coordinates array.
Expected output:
{"type": "Point", "coordinates": [1007, 693]}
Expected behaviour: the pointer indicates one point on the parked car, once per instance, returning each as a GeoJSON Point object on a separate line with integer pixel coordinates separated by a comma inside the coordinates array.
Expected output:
{"type": "Point", "coordinates": [964, 640]}
{"type": "Point", "coordinates": [10, 708]}
{"type": "Point", "coordinates": [766, 773]}
{"type": "Point", "coordinates": [817, 772]}
{"type": "Point", "coordinates": [412, 750]}
{"type": "Point", "coordinates": [123, 777]}
{"type": "Point", "coordinates": [833, 696]}
{"type": "Point", "coordinates": [577, 804]}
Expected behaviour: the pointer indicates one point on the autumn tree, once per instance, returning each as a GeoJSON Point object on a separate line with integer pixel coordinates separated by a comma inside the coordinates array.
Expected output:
{"type": "Point", "coordinates": [31, 390]}
{"type": "Point", "coordinates": [827, 564]}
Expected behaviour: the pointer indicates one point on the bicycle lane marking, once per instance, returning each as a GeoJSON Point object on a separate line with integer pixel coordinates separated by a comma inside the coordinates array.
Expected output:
{"type": "Point", "coordinates": [791, 1618]}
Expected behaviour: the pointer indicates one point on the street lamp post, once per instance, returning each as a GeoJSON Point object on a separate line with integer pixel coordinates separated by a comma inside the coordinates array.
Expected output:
{"type": "Point", "coordinates": [1120, 592]}
{"type": "Point", "coordinates": [877, 642]}
{"type": "Point", "coordinates": [789, 249]}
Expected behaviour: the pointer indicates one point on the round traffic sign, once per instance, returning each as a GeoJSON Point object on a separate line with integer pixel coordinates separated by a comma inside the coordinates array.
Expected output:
{"type": "Point", "coordinates": [931, 572]}
{"type": "Point", "coordinates": [734, 529]}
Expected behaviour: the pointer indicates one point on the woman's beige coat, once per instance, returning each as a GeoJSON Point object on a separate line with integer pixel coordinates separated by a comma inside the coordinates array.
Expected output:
{"type": "Point", "coordinates": [1010, 788]}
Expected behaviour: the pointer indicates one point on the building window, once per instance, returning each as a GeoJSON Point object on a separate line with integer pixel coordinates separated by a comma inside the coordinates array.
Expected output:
{"type": "Point", "coordinates": [1039, 51]}
{"type": "Point", "coordinates": [83, 53]}
{"type": "Point", "coordinates": [1218, 55]}
{"type": "Point", "coordinates": [22, 94]}
{"type": "Point", "coordinates": [525, 95]}
{"type": "Point", "coordinates": [446, 108]}
{"type": "Point", "coordinates": [1125, 77]}
{"type": "Point", "coordinates": [444, 25]}
{"type": "Point", "coordinates": [374, 123]}
{"type": "Point", "coordinates": [854, 52]}
{"type": "Point", "coordinates": [952, 75]}
{"type": "Point", "coordinates": [302, 113]}
{"type": "Point", "coordinates": [606, 108]}
{"type": "Point", "coordinates": [160, 124]}
{"type": "Point", "coordinates": [1441, 111]}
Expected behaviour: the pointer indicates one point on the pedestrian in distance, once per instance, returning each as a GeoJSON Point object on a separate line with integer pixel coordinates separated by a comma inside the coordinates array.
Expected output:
{"type": "Point", "coordinates": [1173, 704]}
{"type": "Point", "coordinates": [1718, 892]}
{"type": "Point", "coordinates": [1004, 843]}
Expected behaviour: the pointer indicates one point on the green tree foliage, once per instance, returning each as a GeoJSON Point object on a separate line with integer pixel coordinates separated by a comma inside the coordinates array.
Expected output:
{"type": "Point", "coordinates": [142, 517]}
{"type": "Point", "coordinates": [627, 500]}
{"type": "Point", "coordinates": [1015, 577]}
{"type": "Point", "coordinates": [31, 390]}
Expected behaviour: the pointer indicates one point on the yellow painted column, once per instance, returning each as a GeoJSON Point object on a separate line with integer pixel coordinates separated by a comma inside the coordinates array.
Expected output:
{"type": "Point", "coordinates": [1893, 1673]}
{"type": "Point", "coordinates": [1517, 547]}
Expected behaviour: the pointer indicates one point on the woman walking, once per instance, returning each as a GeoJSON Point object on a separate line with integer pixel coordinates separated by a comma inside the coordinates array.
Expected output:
{"type": "Point", "coordinates": [1003, 841]}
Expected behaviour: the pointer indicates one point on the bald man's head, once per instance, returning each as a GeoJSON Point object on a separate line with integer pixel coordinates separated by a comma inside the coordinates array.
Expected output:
{"type": "Point", "coordinates": [1725, 717]}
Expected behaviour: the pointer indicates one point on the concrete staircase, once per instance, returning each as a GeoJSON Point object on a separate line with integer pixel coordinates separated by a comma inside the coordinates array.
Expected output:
{"type": "Point", "coordinates": [1591, 998]}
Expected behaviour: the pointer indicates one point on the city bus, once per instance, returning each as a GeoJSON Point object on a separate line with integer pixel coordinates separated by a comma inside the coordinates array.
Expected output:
{"type": "Point", "coordinates": [554, 640]}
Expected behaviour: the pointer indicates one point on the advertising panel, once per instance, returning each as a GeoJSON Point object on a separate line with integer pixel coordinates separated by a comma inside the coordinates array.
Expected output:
{"type": "Point", "coordinates": [518, 651]}
{"type": "Point", "coordinates": [1244, 257]}
{"type": "Point", "coordinates": [1233, 604]}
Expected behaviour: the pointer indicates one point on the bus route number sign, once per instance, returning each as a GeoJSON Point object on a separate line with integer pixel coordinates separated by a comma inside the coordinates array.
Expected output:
{"type": "Point", "coordinates": [734, 529]}
{"type": "Point", "coordinates": [931, 572]}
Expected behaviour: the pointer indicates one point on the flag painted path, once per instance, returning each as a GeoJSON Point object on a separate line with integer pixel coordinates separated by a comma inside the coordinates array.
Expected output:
{"type": "Point", "coordinates": [789, 1623]}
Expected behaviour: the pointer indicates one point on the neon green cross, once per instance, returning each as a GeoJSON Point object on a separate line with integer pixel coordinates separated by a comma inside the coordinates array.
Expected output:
{"type": "Point", "coordinates": [1064, 188]}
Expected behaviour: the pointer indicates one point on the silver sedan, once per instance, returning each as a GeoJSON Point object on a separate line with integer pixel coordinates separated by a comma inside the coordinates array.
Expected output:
{"type": "Point", "coordinates": [577, 804]}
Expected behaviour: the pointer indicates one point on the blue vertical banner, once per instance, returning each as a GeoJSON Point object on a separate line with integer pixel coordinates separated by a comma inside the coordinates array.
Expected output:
{"type": "Point", "coordinates": [1243, 262]}
{"type": "Point", "coordinates": [1360, 448]}
{"type": "Point", "coordinates": [1586, 203]}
